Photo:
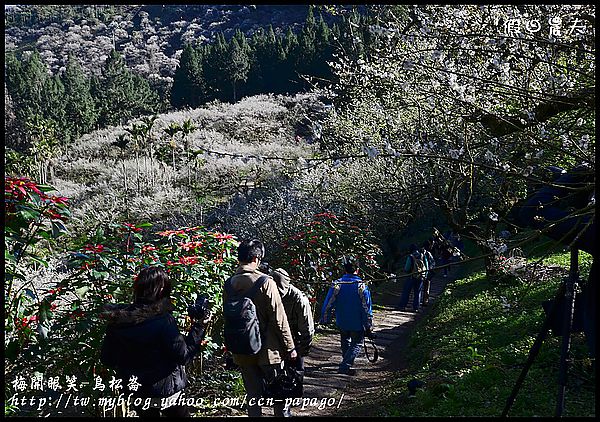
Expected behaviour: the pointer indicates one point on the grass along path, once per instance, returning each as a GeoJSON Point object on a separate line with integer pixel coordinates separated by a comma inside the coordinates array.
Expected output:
{"type": "Point", "coordinates": [472, 347]}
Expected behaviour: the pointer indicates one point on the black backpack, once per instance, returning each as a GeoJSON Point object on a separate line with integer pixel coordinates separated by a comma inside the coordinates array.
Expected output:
{"type": "Point", "coordinates": [242, 333]}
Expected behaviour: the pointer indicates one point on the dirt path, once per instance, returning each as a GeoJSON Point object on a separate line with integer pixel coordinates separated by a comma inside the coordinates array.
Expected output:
{"type": "Point", "coordinates": [328, 393]}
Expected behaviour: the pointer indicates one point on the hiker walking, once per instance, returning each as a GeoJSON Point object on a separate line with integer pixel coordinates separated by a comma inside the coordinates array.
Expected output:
{"type": "Point", "coordinates": [417, 267]}
{"type": "Point", "coordinates": [260, 345]}
{"type": "Point", "coordinates": [298, 312]}
{"type": "Point", "coordinates": [430, 264]}
{"type": "Point", "coordinates": [300, 318]}
{"type": "Point", "coordinates": [351, 299]}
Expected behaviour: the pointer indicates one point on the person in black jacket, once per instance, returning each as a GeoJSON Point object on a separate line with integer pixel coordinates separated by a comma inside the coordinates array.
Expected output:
{"type": "Point", "coordinates": [564, 210]}
{"type": "Point", "coordinates": [142, 340]}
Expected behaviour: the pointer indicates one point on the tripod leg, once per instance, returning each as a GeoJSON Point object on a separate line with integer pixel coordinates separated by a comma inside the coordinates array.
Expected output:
{"type": "Point", "coordinates": [533, 352]}
{"type": "Point", "coordinates": [566, 332]}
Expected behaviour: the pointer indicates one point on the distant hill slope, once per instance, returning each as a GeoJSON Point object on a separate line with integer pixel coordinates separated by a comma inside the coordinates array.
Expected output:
{"type": "Point", "coordinates": [172, 179]}
{"type": "Point", "coordinates": [149, 37]}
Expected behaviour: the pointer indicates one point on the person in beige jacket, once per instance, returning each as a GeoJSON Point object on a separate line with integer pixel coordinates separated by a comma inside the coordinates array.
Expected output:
{"type": "Point", "coordinates": [298, 311]}
{"type": "Point", "coordinates": [276, 336]}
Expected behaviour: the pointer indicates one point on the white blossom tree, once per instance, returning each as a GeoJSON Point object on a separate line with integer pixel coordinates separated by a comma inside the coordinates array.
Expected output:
{"type": "Point", "coordinates": [462, 107]}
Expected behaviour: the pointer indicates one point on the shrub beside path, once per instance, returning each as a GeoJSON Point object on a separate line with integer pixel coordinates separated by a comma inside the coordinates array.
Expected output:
{"type": "Point", "coordinates": [392, 327]}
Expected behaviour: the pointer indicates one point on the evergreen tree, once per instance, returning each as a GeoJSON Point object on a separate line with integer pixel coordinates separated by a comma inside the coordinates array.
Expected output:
{"type": "Point", "coordinates": [323, 51]}
{"type": "Point", "coordinates": [14, 132]}
{"type": "Point", "coordinates": [13, 78]}
{"type": "Point", "coordinates": [307, 42]}
{"type": "Point", "coordinates": [80, 110]}
{"type": "Point", "coordinates": [203, 54]}
{"type": "Point", "coordinates": [145, 100]}
{"type": "Point", "coordinates": [289, 73]}
{"type": "Point", "coordinates": [258, 61]}
{"type": "Point", "coordinates": [53, 110]}
{"type": "Point", "coordinates": [215, 70]}
{"type": "Point", "coordinates": [280, 72]}
{"type": "Point", "coordinates": [33, 81]}
{"type": "Point", "coordinates": [187, 81]}
{"type": "Point", "coordinates": [239, 65]}
{"type": "Point", "coordinates": [121, 94]}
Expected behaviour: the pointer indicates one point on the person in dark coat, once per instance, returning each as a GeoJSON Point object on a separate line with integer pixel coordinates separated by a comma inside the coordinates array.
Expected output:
{"type": "Point", "coordinates": [564, 210]}
{"type": "Point", "coordinates": [142, 340]}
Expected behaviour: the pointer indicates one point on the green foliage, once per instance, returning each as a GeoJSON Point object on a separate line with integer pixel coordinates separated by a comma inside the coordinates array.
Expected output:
{"type": "Point", "coordinates": [268, 62]}
{"type": "Point", "coordinates": [58, 329]}
{"type": "Point", "coordinates": [55, 110]}
{"type": "Point", "coordinates": [34, 220]}
{"type": "Point", "coordinates": [80, 110]}
{"type": "Point", "coordinates": [188, 82]}
{"type": "Point", "coordinates": [313, 257]}
{"type": "Point", "coordinates": [122, 94]}
{"type": "Point", "coordinates": [238, 64]}
{"type": "Point", "coordinates": [471, 349]}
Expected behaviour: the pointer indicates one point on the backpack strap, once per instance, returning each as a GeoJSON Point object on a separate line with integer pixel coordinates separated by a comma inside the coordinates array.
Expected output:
{"type": "Point", "coordinates": [228, 287]}
{"type": "Point", "coordinates": [414, 262]}
{"type": "Point", "coordinates": [251, 291]}
{"type": "Point", "coordinates": [257, 285]}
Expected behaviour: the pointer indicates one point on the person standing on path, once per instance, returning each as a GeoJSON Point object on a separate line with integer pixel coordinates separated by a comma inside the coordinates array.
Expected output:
{"type": "Point", "coordinates": [277, 341]}
{"type": "Point", "coordinates": [298, 312]}
{"type": "Point", "coordinates": [430, 263]}
{"type": "Point", "coordinates": [351, 299]}
{"type": "Point", "coordinates": [417, 267]}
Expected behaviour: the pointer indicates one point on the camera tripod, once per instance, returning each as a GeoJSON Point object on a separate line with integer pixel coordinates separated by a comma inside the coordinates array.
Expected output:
{"type": "Point", "coordinates": [566, 290]}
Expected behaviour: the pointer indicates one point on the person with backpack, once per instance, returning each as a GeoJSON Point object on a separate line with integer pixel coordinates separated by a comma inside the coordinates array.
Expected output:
{"type": "Point", "coordinates": [417, 267]}
{"type": "Point", "coordinates": [142, 341]}
{"type": "Point", "coordinates": [300, 317]}
{"type": "Point", "coordinates": [350, 297]}
{"type": "Point", "coordinates": [430, 264]}
{"type": "Point", "coordinates": [298, 312]}
{"type": "Point", "coordinates": [256, 328]}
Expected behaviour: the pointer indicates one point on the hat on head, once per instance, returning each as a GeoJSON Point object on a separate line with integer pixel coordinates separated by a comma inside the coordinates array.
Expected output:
{"type": "Point", "coordinates": [282, 278]}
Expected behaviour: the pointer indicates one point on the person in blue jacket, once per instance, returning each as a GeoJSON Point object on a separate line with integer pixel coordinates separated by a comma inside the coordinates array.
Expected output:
{"type": "Point", "coordinates": [351, 299]}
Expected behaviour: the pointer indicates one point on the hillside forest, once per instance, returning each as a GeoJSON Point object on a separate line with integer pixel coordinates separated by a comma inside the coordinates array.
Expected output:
{"type": "Point", "coordinates": [164, 135]}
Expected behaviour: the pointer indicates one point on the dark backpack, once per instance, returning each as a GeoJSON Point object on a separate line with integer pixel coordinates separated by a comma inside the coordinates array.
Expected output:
{"type": "Point", "coordinates": [418, 268]}
{"type": "Point", "coordinates": [241, 329]}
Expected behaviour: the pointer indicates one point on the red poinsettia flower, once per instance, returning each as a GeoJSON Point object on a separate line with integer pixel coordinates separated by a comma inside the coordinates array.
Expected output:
{"type": "Point", "coordinates": [171, 232]}
{"type": "Point", "coordinates": [188, 246]}
{"type": "Point", "coordinates": [132, 227]}
{"type": "Point", "coordinates": [148, 248]}
{"type": "Point", "coordinates": [59, 200]}
{"type": "Point", "coordinates": [222, 236]}
{"type": "Point", "coordinates": [94, 248]}
{"type": "Point", "coordinates": [188, 260]}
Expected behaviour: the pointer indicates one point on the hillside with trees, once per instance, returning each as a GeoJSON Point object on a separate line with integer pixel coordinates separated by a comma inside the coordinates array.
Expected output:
{"type": "Point", "coordinates": [164, 135]}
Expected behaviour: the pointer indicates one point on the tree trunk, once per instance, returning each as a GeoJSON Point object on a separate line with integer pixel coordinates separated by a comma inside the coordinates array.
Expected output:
{"type": "Point", "coordinates": [124, 175]}
{"type": "Point", "coordinates": [137, 169]}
